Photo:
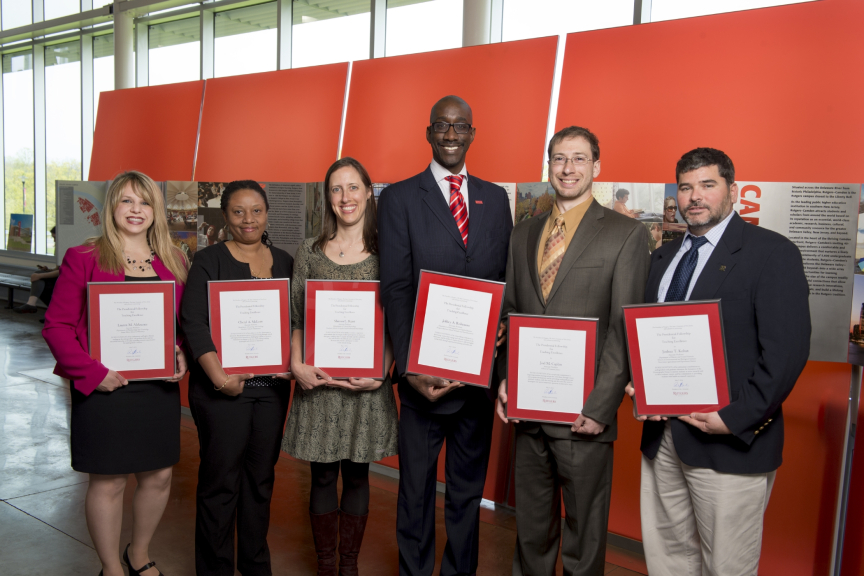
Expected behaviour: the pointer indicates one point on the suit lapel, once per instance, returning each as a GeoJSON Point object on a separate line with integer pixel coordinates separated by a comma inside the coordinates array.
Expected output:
{"type": "Point", "coordinates": [721, 262]}
{"type": "Point", "coordinates": [658, 269]}
{"type": "Point", "coordinates": [438, 206]}
{"type": "Point", "coordinates": [535, 231]}
{"type": "Point", "coordinates": [476, 192]}
{"type": "Point", "coordinates": [589, 227]}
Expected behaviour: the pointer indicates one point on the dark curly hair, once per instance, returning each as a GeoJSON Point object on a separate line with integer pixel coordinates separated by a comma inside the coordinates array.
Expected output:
{"type": "Point", "coordinates": [238, 185]}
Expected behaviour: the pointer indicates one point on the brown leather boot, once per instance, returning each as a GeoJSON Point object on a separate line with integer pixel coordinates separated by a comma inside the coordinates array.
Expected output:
{"type": "Point", "coordinates": [325, 528]}
{"type": "Point", "coordinates": [351, 530]}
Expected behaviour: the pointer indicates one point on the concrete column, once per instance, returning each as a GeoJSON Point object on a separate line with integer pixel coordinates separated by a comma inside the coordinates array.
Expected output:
{"type": "Point", "coordinates": [124, 56]}
{"type": "Point", "coordinates": [476, 22]}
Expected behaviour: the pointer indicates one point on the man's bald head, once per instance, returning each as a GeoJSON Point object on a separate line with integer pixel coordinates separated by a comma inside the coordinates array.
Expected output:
{"type": "Point", "coordinates": [441, 104]}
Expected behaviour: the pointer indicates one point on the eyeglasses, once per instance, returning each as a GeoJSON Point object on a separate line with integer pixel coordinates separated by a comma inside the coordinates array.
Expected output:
{"type": "Point", "coordinates": [671, 208]}
{"type": "Point", "coordinates": [444, 127]}
{"type": "Point", "coordinates": [576, 160]}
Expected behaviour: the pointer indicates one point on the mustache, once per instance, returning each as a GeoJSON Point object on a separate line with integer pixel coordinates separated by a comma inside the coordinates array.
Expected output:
{"type": "Point", "coordinates": [695, 205]}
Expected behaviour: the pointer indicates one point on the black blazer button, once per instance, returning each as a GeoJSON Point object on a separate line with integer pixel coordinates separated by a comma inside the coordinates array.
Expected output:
{"type": "Point", "coordinates": [468, 260]}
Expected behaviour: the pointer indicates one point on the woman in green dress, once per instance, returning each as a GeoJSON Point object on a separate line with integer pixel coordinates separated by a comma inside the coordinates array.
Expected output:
{"type": "Point", "coordinates": [339, 423]}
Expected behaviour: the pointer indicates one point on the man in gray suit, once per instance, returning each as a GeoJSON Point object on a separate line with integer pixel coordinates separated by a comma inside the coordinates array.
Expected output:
{"type": "Point", "coordinates": [582, 260]}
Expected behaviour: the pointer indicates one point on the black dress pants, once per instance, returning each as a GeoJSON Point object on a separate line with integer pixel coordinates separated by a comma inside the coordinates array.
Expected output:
{"type": "Point", "coordinates": [240, 438]}
{"type": "Point", "coordinates": [469, 434]}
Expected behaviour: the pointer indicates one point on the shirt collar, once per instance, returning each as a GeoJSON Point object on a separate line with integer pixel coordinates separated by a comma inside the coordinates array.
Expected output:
{"type": "Point", "coordinates": [439, 172]}
{"type": "Point", "coordinates": [573, 216]}
{"type": "Point", "coordinates": [713, 236]}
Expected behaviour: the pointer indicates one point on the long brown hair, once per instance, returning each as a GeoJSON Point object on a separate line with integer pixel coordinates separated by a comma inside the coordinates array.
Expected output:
{"type": "Point", "coordinates": [370, 222]}
{"type": "Point", "coordinates": [110, 243]}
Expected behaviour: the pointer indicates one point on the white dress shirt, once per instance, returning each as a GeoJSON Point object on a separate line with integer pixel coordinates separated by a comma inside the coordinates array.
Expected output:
{"type": "Point", "coordinates": [440, 173]}
{"type": "Point", "coordinates": [713, 236]}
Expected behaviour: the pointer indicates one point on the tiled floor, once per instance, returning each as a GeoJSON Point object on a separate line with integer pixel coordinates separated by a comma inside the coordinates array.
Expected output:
{"type": "Point", "coordinates": [42, 528]}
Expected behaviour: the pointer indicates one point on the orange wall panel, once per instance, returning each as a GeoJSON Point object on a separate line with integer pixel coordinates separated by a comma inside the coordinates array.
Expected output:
{"type": "Point", "coordinates": [150, 129]}
{"type": "Point", "coordinates": [778, 89]}
{"type": "Point", "coordinates": [508, 86]}
{"type": "Point", "coordinates": [272, 127]}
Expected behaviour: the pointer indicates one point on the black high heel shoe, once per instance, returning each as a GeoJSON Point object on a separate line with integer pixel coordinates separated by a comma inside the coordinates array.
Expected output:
{"type": "Point", "coordinates": [132, 571]}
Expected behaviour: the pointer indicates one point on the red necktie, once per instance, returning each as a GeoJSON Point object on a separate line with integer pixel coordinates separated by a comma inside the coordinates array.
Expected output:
{"type": "Point", "coordinates": [457, 205]}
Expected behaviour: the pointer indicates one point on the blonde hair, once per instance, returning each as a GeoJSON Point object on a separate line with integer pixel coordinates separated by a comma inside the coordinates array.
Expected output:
{"type": "Point", "coordinates": [110, 243]}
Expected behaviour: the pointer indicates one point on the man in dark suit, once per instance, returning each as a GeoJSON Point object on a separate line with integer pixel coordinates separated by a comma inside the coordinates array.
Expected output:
{"type": "Point", "coordinates": [706, 478]}
{"type": "Point", "coordinates": [442, 220]}
{"type": "Point", "coordinates": [579, 260]}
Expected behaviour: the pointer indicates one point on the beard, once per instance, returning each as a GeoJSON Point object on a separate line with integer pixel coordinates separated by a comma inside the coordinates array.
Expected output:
{"type": "Point", "coordinates": [709, 219]}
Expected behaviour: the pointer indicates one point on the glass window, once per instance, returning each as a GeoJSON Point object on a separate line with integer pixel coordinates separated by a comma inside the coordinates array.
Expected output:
{"type": "Point", "coordinates": [16, 13]}
{"type": "Point", "coordinates": [175, 51]}
{"type": "Point", "coordinates": [62, 123]}
{"type": "Point", "coordinates": [672, 9]}
{"type": "Point", "coordinates": [100, 3]}
{"type": "Point", "coordinates": [18, 190]}
{"type": "Point", "coordinates": [531, 18]}
{"type": "Point", "coordinates": [103, 69]}
{"type": "Point", "coordinates": [423, 25]}
{"type": "Point", "coordinates": [245, 40]}
{"type": "Point", "coordinates": [58, 8]}
{"type": "Point", "coordinates": [323, 35]}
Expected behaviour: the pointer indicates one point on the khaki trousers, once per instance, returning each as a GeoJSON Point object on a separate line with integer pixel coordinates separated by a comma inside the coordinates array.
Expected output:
{"type": "Point", "coordinates": [699, 522]}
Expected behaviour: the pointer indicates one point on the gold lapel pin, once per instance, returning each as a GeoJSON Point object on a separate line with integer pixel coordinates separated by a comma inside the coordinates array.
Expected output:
{"type": "Point", "coordinates": [722, 268]}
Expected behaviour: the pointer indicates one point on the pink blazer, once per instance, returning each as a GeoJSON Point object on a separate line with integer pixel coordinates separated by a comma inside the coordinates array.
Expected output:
{"type": "Point", "coordinates": [66, 319]}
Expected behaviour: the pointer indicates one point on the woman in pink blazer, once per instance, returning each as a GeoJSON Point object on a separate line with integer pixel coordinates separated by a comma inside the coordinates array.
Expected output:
{"type": "Point", "coordinates": [119, 427]}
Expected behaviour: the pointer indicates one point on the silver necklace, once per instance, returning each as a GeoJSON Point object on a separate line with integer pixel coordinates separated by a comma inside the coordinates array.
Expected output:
{"type": "Point", "coordinates": [342, 252]}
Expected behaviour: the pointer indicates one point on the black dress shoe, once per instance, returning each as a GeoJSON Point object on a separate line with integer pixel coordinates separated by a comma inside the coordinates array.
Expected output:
{"type": "Point", "coordinates": [25, 309]}
{"type": "Point", "coordinates": [132, 571]}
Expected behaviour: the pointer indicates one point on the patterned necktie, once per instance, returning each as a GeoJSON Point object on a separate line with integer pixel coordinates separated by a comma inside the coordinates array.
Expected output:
{"type": "Point", "coordinates": [457, 205]}
{"type": "Point", "coordinates": [684, 272]}
{"type": "Point", "coordinates": [553, 253]}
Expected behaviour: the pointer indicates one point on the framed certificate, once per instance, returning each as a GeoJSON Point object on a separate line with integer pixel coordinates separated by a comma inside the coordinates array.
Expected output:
{"type": "Point", "coordinates": [455, 325]}
{"type": "Point", "coordinates": [250, 323]}
{"type": "Point", "coordinates": [344, 328]}
{"type": "Point", "coordinates": [677, 357]}
{"type": "Point", "coordinates": [131, 328]}
{"type": "Point", "coordinates": [550, 366]}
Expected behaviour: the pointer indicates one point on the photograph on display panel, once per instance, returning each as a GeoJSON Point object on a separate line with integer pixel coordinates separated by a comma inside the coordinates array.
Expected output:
{"type": "Point", "coordinates": [212, 228]}
{"type": "Point", "coordinates": [856, 323]}
{"type": "Point", "coordinates": [673, 223]}
{"type": "Point", "coordinates": [20, 232]}
{"type": "Point", "coordinates": [643, 202]}
{"type": "Point", "coordinates": [79, 209]}
{"type": "Point", "coordinates": [210, 194]}
{"type": "Point", "coordinates": [314, 208]}
{"type": "Point", "coordinates": [859, 241]}
{"type": "Point", "coordinates": [181, 205]}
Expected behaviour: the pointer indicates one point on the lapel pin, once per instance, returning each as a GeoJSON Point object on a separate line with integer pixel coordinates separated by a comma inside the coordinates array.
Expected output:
{"type": "Point", "coordinates": [478, 201]}
{"type": "Point", "coordinates": [723, 268]}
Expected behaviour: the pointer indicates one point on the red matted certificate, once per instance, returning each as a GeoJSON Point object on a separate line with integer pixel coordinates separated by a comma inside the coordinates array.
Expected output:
{"type": "Point", "coordinates": [550, 367]}
{"type": "Point", "coordinates": [250, 323]}
{"type": "Point", "coordinates": [132, 329]}
{"type": "Point", "coordinates": [455, 325]}
{"type": "Point", "coordinates": [677, 357]}
{"type": "Point", "coordinates": [344, 328]}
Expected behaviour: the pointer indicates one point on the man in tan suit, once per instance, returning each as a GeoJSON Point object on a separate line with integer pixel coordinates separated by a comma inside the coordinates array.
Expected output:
{"type": "Point", "coordinates": [580, 260]}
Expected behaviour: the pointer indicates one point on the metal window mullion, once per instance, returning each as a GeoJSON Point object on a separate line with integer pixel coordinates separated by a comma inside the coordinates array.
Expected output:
{"type": "Point", "coordinates": [142, 54]}
{"type": "Point", "coordinates": [641, 11]}
{"type": "Point", "coordinates": [39, 169]}
{"type": "Point", "coordinates": [2, 148]}
{"type": "Point", "coordinates": [207, 44]}
{"type": "Point", "coordinates": [88, 97]}
{"type": "Point", "coordinates": [284, 30]}
{"type": "Point", "coordinates": [38, 11]}
{"type": "Point", "coordinates": [496, 24]}
{"type": "Point", "coordinates": [378, 33]}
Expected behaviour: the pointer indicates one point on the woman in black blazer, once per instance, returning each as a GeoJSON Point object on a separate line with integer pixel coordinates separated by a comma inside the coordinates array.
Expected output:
{"type": "Point", "coordinates": [239, 417]}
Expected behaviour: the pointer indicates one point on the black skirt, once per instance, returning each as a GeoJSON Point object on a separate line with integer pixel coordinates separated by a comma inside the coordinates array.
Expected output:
{"type": "Point", "coordinates": [135, 428]}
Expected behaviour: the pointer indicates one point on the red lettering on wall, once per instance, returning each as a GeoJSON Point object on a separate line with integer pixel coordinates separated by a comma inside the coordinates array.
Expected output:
{"type": "Point", "coordinates": [748, 207]}
{"type": "Point", "coordinates": [751, 188]}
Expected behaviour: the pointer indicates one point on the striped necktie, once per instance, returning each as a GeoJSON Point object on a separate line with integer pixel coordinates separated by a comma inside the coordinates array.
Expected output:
{"type": "Point", "coordinates": [553, 253]}
{"type": "Point", "coordinates": [677, 290]}
{"type": "Point", "coordinates": [457, 205]}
